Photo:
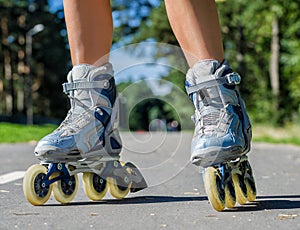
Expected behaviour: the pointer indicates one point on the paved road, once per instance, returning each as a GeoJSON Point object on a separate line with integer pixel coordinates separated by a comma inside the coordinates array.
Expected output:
{"type": "Point", "coordinates": [174, 200]}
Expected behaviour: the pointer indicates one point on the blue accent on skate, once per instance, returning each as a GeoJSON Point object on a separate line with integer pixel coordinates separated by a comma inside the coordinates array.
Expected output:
{"type": "Point", "coordinates": [187, 84]}
{"type": "Point", "coordinates": [114, 143]}
{"type": "Point", "coordinates": [222, 171]}
{"type": "Point", "coordinates": [102, 138]}
{"type": "Point", "coordinates": [111, 92]}
{"type": "Point", "coordinates": [53, 168]}
{"type": "Point", "coordinates": [221, 149]}
{"type": "Point", "coordinates": [104, 117]}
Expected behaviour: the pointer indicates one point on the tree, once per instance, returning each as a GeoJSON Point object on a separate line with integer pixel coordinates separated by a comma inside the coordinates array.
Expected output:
{"type": "Point", "coordinates": [248, 37]}
{"type": "Point", "coordinates": [270, 75]}
{"type": "Point", "coordinates": [50, 59]}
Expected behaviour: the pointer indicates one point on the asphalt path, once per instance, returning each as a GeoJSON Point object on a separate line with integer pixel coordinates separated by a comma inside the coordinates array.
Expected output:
{"type": "Point", "coordinates": [175, 198]}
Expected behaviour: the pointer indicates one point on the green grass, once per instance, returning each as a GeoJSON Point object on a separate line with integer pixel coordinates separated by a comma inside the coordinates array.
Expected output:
{"type": "Point", "coordinates": [12, 133]}
{"type": "Point", "coordinates": [289, 134]}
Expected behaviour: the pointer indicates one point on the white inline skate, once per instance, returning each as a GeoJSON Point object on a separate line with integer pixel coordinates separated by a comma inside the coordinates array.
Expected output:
{"type": "Point", "coordinates": [222, 134]}
{"type": "Point", "coordinates": [87, 142]}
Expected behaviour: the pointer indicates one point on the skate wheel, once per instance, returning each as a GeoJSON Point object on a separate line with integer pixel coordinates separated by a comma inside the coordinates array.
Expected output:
{"type": "Point", "coordinates": [213, 187]}
{"type": "Point", "coordinates": [230, 199]}
{"type": "Point", "coordinates": [65, 190]}
{"type": "Point", "coordinates": [95, 187]}
{"type": "Point", "coordinates": [116, 190]}
{"type": "Point", "coordinates": [240, 188]}
{"type": "Point", "coordinates": [251, 189]}
{"type": "Point", "coordinates": [250, 182]}
{"type": "Point", "coordinates": [34, 190]}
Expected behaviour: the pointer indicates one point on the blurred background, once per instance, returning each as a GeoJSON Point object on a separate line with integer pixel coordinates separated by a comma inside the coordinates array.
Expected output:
{"type": "Point", "coordinates": [261, 40]}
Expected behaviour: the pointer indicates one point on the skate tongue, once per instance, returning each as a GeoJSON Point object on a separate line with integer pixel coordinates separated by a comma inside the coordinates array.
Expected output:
{"type": "Point", "coordinates": [203, 70]}
{"type": "Point", "coordinates": [206, 67]}
{"type": "Point", "coordinates": [82, 99]}
{"type": "Point", "coordinates": [80, 71]}
{"type": "Point", "coordinates": [89, 72]}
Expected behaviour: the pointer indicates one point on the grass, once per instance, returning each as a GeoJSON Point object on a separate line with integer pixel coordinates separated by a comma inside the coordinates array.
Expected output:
{"type": "Point", "coordinates": [289, 134]}
{"type": "Point", "coordinates": [13, 133]}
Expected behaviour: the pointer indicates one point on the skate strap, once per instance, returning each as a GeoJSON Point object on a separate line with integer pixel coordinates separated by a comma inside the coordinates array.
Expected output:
{"type": "Point", "coordinates": [229, 79]}
{"type": "Point", "coordinates": [70, 86]}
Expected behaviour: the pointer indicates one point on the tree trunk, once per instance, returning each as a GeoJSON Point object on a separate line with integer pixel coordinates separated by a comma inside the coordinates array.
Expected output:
{"type": "Point", "coordinates": [274, 61]}
{"type": "Point", "coordinates": [8, 92]}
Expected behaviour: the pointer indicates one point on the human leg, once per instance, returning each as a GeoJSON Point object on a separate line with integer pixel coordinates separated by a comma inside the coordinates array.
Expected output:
{"type": "Point", "coordinates": [210, 82]}
{"type": "Point", "coordinates": [90, 30]}
{"type": "Point", "coordinates": [222, 127]}
{"type": "Point", "coordinates": [91, 85]}
{"type": "Point", "coordinates": [87, 140]}
{"type": "Point", "coordinates": [196, 26]}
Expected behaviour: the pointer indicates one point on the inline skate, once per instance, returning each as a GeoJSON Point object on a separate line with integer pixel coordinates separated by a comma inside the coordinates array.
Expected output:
{"type": "Point", "coordinates": [87, 142]}
{"type": "Point", "coordinates": [222, 134]}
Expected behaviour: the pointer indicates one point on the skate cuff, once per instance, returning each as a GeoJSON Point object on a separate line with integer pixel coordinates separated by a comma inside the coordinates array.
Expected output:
{"type": "Point", "coordinates": [104, 84]}
{"type": "Point", "coordinates": [229, 79]}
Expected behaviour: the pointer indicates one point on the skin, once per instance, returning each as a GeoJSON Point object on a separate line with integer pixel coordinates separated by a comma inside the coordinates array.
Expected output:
{"type": "Point", "coordinates": [195, 24]}
{"type": "Point", "coordinates": [90, 30]}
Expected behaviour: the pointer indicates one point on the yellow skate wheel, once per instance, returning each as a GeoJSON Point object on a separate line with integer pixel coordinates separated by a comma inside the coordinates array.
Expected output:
{"type": "Point", "coordinates": [240, 188]}
{"type": "Point", "coordinates": [214, 191]}
{"type": "Point", "coordinates": [65, 190]}
{"type": "Point", "coordinates": [117, 191]}
{"type": "Point", "coordinates": [230, 199]}
{"type": "Point", "coordinates": [251, 189]}
{"type": "Point", "coordinates": [250, 182]}
{"type": "Point", "coordinates": [34, 190]}
{"type": "Point", "coordinates": [95, 187]}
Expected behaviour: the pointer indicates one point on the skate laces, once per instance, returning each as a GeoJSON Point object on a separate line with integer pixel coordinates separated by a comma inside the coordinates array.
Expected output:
{"type": "Point", "coordinates": [212, 122]}
{"type": "Point", "coordinates": [74, 122]}
{"type": "Point", "coordinates": [211, 96]}
{"type": "Point", "coordinates": [211, 116]}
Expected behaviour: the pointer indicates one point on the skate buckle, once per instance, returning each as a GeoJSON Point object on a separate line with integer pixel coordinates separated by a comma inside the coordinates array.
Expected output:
{"type": "Point", "coordinates": [233, 79]}
{"type": "Point", "coordinates": [228, 79]}
{"type": "Point", "coordinates": [86, 85]}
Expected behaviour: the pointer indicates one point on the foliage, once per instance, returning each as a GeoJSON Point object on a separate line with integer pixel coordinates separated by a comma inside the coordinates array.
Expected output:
{"type": "Point", "coordinates": [49, 63]}
{"type": "Point", "coordinates": [128, 17]}
{"type": "Point", "coordinates": [247, 33]}
{"type": "Point", "coordinates": [141, 106]}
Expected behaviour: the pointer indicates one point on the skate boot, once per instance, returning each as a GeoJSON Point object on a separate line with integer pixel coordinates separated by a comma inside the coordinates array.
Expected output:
{"type": "Point", "coordinates": [87, 142]}
{"type": "Point", "coordinates": [222, 133]}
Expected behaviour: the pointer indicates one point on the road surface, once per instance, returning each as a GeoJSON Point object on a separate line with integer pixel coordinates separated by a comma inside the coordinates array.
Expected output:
{"type": "Point", "coordinates": [175, 198]}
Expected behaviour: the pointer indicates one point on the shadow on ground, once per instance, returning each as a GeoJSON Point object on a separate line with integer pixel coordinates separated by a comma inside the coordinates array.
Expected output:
{"type": "Point", "coordinates": [261, 203]}
{"type": "Point", "coordinates": [269, 203]}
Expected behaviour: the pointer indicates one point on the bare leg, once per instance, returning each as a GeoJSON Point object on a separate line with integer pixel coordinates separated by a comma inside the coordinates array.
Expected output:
{"type": "Point", "coordinates": [196, 26]}
{"type": "Point", "coordinates": [90, 29]}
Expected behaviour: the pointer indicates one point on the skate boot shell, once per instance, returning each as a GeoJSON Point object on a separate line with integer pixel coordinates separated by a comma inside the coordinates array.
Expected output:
{"type": "Point", "coordinates": [222, 134]}
{"type": "Point", "coordinates": [89, 128]}
{"type": "Point", "coordinates": [87, 142]}
{"type": "Point", "coordinates": [222, 127]}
